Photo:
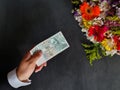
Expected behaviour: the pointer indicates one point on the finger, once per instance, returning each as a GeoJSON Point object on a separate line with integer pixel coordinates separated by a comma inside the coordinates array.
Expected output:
{"type": "Point", "coordinates": [35, 56]}
{"type": "Point", "coordinates": [38, 68]}
{"type": "Point", "coordinates": [27, 56]}
{"type": "Point", "coordinates": [45, 64]}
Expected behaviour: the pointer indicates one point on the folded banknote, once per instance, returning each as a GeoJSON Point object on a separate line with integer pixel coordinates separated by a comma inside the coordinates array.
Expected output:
{"type": "Point", "coordinates": [51, 47]}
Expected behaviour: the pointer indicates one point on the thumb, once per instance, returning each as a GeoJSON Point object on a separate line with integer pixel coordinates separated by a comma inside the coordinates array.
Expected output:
{"type": "Point", "coordinates": [35, 56]}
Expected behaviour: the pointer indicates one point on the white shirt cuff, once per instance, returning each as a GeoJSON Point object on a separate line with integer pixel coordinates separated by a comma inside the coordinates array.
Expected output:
{"type": "Point", "coordinates": [14, 81]}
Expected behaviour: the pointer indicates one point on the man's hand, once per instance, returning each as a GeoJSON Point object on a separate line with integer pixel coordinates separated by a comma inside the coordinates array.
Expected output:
{"type": "Point", "coordinates": [28, 66]}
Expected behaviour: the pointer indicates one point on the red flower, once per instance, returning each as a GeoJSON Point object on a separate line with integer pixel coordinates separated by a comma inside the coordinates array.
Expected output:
{"type": "Point", "coordinates": [89, 12]}
{"type": "Point", "coordinates": [117, 41]}
{"type": "Point", "coordinates": [97, 32]}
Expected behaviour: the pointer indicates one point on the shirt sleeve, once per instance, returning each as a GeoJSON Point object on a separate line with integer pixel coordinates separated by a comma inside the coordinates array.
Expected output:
{"type": "Point", "coordinates": [14, 81]}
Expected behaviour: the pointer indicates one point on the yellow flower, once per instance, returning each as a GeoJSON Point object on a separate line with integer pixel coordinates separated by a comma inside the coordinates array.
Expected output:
{"type": "Point", "coordinates": [108, 44]}
{"type": "Point", "coordinates": [87, 24]}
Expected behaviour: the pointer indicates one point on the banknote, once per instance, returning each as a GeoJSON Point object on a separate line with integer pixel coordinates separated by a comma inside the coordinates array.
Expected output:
{"type": "Point", "coordinates": [51, 47]}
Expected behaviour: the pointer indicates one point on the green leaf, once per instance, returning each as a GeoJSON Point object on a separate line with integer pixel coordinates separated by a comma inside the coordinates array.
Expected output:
{"type": "Point", "coordinates": [115, 30]}
{"type": "Point", "coordinates": [103, 52]}
{"type": "Point", "coordinates": [75, 2]}
{"type": "Point", "coordinates": [92, 52]}
{"type": "Point", "coordinates": [86, 45]}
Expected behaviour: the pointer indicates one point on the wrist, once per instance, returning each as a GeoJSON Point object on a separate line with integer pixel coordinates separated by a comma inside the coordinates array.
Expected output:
{"type": "Point", "coordinates": [14, 81]}
{"type": "Point", "coordinates": [20, 76]}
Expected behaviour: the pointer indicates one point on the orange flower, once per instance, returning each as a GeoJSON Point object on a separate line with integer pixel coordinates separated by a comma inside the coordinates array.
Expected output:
{"type": "Point", "coordinates": [89, 12]}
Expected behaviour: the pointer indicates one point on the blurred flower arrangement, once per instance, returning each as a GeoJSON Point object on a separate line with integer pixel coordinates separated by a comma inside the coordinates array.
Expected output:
{"type": "Point", "coordinates": [100, 22]}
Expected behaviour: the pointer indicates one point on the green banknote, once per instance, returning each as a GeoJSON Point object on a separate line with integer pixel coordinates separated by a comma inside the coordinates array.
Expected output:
{"type": "Point", "coordinates": [51, 47]}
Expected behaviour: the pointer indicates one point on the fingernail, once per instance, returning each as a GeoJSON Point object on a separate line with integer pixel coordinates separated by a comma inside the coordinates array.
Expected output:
{"type": "Point", "coordinates": [36, 71]}
{"type": "Point", "coordinates": [45, 65]}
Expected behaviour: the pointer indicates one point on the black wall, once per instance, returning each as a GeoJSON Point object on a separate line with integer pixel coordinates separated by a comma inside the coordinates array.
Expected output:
{"type": "Point", "coordinates": [24, 23]}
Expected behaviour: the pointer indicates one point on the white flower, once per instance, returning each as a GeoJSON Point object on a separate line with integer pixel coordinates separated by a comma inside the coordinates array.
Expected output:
{"type": "Point", "coordinates": [104, 6]}
{"type": "Point", "coordinates": [98, 21]}
{"type": "Point", "coordinates": [112, 52]}
{"type": "Point", "coordinates": [82, 0]}
{"type": "Point", "coordinates": [118, 12]}
{"type": "Point", "coordinates": [84, 30]}
{"type": "Point", "coordinates": [91, 38]}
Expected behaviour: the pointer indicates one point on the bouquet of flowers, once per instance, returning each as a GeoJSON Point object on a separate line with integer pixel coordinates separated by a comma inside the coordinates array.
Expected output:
{"type": "Point", "coordinates": [100, 22]}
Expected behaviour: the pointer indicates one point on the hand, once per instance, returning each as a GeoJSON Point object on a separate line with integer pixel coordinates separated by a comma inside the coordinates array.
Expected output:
{"type": "Point", "coordinates": [28, 66]}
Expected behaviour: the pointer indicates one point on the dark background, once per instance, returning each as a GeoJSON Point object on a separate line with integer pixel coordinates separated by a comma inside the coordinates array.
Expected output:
{"type": "Point", "coordinates": [25, 23]}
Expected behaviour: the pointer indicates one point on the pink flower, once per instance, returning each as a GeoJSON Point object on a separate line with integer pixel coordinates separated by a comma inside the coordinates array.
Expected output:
{"type": "Point", "coordinates": [97, 32]}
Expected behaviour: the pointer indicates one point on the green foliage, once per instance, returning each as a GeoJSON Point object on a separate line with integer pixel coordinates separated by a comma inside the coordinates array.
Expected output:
{"type": "Point", "coordinates": [92, 52]}
{"type": "Point", "coordinates": [103, 52]}
{"type": "Point", "coordinates": [76, 3]}
{"type": "Point", "coordinates": [115, 30]}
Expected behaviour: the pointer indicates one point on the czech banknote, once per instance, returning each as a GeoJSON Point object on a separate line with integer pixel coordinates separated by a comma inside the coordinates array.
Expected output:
{"type": "Point", "coordinates": [51, 47]}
